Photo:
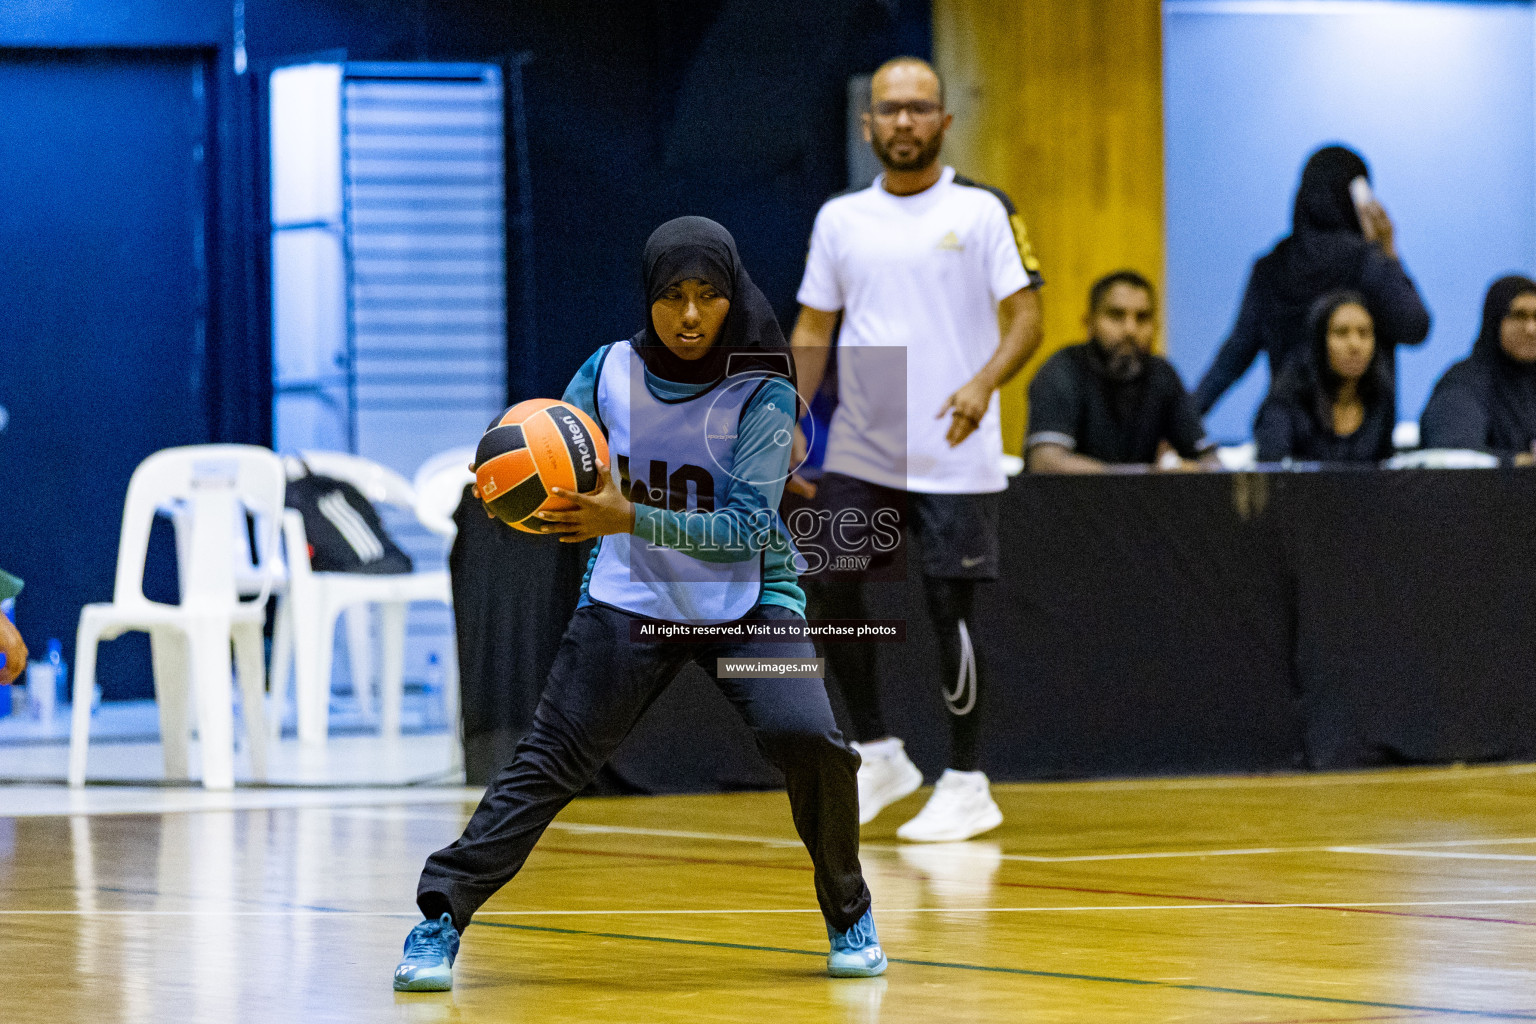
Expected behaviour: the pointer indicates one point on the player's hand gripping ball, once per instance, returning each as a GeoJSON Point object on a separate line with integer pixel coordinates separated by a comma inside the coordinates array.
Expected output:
{"type": "Point", "coordinates": [530, 449]}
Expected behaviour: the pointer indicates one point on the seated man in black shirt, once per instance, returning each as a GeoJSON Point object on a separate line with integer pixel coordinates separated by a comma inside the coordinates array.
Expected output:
{"type": "Point", "coordinates": [1109, 401]}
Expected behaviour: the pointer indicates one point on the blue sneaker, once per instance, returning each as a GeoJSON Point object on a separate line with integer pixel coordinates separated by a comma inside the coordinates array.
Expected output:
{"type": "Point", "coordinates": [856, 953]}
{"type": "Point", "coordinates": [429, 953]}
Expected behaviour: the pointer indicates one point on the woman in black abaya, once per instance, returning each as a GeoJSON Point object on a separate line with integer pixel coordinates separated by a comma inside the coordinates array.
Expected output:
{"type": "Point", "coordinates": [1330, 247]}
{"type": "Point", "coordinates": [1487, 402]}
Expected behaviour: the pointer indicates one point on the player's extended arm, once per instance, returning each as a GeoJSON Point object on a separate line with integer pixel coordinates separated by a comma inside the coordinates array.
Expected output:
{"type": "Point", "coordinates": [1019, 321]}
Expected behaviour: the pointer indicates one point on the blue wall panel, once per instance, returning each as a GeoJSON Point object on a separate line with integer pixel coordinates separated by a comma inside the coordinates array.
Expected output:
{"type": "Point", "coordinates": [102, 344]}
{"type": "Point", "coordinates": [1439, 97]}
{"type": "Point", "coordinates": [74, 23]}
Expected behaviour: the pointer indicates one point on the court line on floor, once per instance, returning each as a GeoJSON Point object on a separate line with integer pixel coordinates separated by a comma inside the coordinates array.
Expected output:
{"type": "Point", "coordinates": [315, 911]}
{"type": "Point", "coordinates": [1364, 777]}
{"type": "Point", "coordinates": [253, 798]}
{"type": "Point", "coordinates": [1378, 848]}
{"type": "Point", "coordinates": [1024, 972]}
{"type": "Point", "coordinates": [33, 800]}
{"type": "Point", "coordinates": [1229, 905]}
{"type": "Point", "coordinates": [583, 828]}
{"type": "Point", "coordinates": [1447, 854]}
{"type": "Point", "coordinates": [919, 876]}
{"type": "Point", "coordinates": [1259, 903]}
{"type": "Point", "coordinates": [1345, 1020]}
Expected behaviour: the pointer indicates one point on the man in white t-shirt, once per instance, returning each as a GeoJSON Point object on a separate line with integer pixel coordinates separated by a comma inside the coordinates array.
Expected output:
{"type": "Point", "coordinates": [935, 284]}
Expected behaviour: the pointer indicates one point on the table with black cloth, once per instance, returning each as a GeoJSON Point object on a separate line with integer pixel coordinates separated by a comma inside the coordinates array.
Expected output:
{"type": "Point", "coordinates": [1149, 624]}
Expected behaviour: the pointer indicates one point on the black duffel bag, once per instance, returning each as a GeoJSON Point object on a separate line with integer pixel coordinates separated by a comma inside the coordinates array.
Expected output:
{"type": "Point", "coordinates": [344, 530]}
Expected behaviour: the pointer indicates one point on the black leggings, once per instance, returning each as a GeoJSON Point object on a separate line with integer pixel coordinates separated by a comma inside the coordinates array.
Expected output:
{"type": "Point", "coordinates": [951, 609]}
{"type": "Point", "coordinates": [600, 685]}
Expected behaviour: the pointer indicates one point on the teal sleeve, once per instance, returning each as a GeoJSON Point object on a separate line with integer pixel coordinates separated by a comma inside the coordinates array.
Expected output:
{"type": "Point", "coordinates": [10, 586]}
{"type": "Point", "coordinates": [582, 390]}
{"type": "Point", "coordinates": [582, 393]}
{"type": "Point", "coordinates": [747, 520]}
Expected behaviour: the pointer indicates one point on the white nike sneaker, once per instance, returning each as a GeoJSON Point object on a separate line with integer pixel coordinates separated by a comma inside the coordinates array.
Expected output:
{"type": "Point", "coordinates": [886, 775]}
{"type": "Point", "coordinates": [961, 807]}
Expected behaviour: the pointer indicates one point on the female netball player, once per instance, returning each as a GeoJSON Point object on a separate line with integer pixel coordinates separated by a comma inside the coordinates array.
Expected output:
{"type": "Point", "coordinates": [699, 427]}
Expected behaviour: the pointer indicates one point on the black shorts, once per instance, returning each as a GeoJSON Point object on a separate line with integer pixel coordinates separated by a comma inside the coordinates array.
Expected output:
{"type": "Point", "coordinates": [856, 529]}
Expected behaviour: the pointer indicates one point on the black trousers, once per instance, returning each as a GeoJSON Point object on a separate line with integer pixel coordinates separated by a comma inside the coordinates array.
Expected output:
{"type": "Point", "coordinates": [959, 543]}
{"type": "Point", "coordinates": [599, 686]}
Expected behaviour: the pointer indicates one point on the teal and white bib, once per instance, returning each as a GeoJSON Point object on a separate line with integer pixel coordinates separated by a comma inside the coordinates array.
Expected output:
{"type": "Point", "coordinates": [676, 455]}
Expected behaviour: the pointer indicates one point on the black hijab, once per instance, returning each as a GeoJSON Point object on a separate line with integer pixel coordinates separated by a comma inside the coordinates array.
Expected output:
{"type": "Point", "coordinates": [697, 247]}
{"type": "Point", "coordinates": [1501, 295]}
{"type": "Point", "coordinates": [1488, 400]}
{"type": "Point", "coordinates": [1326, 246]}
{"type": "Point", "coordinates": [1511, 384]}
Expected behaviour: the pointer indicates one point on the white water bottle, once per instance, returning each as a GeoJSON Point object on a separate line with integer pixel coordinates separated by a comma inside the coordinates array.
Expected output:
{"type": "Point", "coordinates": [432, 714]}
{"type": "Point", "coordinates": [43, 683]}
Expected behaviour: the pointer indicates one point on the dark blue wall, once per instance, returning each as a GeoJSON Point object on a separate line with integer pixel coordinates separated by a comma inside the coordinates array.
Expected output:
{"type": "Point", "coordinates": [636, 112]}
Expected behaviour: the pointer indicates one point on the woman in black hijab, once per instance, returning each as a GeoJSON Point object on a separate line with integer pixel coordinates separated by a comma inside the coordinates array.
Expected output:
{"type": "Point", "coordinates": [1328, 248]}
{"type": "Point", "coordinates": [700, 399]}
{"type": "Point", "coordinates": [700, 249]}
{"type": "Point", "coordinates": [1334, 403]}
{"type": "Point", "coordinates": [1487, 402]}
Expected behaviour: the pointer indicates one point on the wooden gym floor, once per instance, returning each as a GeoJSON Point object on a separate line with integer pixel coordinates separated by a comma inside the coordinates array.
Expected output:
{"type": "Point", "coordinates": [1402, 895]}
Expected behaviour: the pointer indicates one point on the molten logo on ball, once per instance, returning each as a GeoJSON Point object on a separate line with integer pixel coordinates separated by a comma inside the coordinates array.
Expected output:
{"type": "Point", "coordinates": [578, 438]}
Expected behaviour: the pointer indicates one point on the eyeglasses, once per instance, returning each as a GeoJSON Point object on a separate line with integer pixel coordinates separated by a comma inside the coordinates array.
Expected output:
{"type": "Point", "coordinates": [918, 109]}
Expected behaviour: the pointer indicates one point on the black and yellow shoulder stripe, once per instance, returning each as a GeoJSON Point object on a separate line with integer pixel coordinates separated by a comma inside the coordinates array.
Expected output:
{"type": "Point", "coordinates": [1020, 232]}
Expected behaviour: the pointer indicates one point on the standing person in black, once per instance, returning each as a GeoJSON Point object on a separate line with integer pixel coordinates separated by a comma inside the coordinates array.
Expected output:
{"type": "Point", "coordinates": [1334, 243]}
{"type": "Point", "coordinates": [1332, 404]}
{"type": "Point", "coordinates": [1110, 401]}
{"type": "Point", "coordinates": [1487, 401]}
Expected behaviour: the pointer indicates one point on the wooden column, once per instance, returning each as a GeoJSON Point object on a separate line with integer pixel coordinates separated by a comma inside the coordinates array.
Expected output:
{"type": "Point", "coordinates": [1060, 104]}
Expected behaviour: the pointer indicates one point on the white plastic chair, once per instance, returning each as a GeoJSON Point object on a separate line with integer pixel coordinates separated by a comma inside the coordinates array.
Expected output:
{"type": "Point", "coordinates": [255, 571]}
{"type": "Point", "coordinates": [213, 486]}
{"type": "Point", "coordinates": [439, 485]}
{"type": "Point", "coordinates": [307, 612]}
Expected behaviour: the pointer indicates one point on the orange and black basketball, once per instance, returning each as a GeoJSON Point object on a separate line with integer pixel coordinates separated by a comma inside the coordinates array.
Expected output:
{"type": "Point", "coordinates": [532, 447]}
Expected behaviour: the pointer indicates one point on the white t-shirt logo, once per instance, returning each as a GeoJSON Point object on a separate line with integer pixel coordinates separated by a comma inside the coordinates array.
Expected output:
{"type": "Point", "coordinates": [950, 243]}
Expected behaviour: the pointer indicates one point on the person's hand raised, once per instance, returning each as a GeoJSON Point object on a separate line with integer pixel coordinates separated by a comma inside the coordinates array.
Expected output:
{"type": "Point", "coordinates": [1377, 227]}
{"type": "Point", "coordinates": [602, 512]}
